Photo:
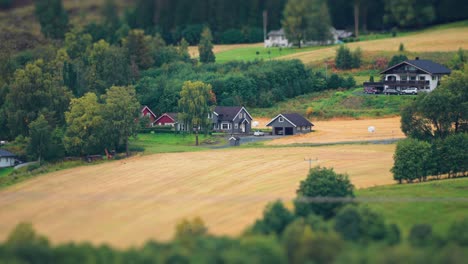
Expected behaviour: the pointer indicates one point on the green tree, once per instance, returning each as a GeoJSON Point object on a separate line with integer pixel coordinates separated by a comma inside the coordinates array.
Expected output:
{"type": "Point", "coordinates": [360, 224]}
{"type": "Point", "coordinates": [306, 20]}
{"type": "Point", "coordinates": [409, 13]}
{"type": "Point", "coordinates": [52, 17]}
{"type": "Point", "coordinates": [304, 245]}
{"type": "Point", "coordinates": [194, 105]}
{"type": "Point", "coordinates": [137, 45]}
{"type": "Point", "coordinates": [343, 58]}
{"type": "Point", "coordinates": [85, 132]}
{"type": "Point", "coordinates": [183, 50]}
{"type": "Point", "coordinates": [40, 134]}
{"type": "Point", "coordinates": [396, 59]}
{"type": "Point", "coordinates": [411, 160]}
{"type": "Point", "coordinates": [35, 91]}
{"type": "Point", "coordinates": [111, 20]}
{"type": "Point", "coordinates": [458, 60]}
{"type": "Point", "coordinates": [322, 183]}
{"type": "Point", "coordinates": [457, 232]}
{"type": "Point", "coordinates": [275, 219]}
{"type": "Point", "coordinates": [120, 111]}
{"type": "Point", "coordinates": [356, 58]}
{"type": "Point", "coordinates": [76, 43]}
{"type": "Point", "coordinates": [205, 47]}
{"type": "Point", "coordinates": [421, 235]}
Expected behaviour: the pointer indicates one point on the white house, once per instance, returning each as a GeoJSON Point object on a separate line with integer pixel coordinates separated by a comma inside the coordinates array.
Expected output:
{"type": "Point", "coordinates": [7, 159]}
{"type": "Point", "coordinates": [425, 75]}
{"type": "Point", "coordinates": [277, 38]}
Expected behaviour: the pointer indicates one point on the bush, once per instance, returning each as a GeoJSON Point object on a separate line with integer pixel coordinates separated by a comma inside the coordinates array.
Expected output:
{"type": "Point", "coordinates": [275, 219]}
{"type": "Point", "coordinates": [421, 235]}
{"type": "Point", "coordinates": [320, 184]}
{"type": "Point", "coordinates": [411, 160]}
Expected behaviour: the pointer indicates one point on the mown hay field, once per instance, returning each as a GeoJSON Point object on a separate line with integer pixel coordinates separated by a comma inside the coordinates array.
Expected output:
{"type": "Point", "coordinates": [346, 131]}
{"type": "Point", "coordinates": [438, 40]}
{"type": "Point", "coordinates": [127, 202]}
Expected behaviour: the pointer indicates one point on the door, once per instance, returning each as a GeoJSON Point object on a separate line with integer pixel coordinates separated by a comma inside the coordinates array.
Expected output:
{"type": "Point", "coordinates": [289, 131]}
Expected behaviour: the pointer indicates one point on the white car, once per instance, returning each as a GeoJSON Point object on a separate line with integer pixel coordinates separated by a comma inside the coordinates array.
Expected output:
{"type": "Point", "coordinates": [259, 133]}
{"type": "Point", "coordinates": [412, 90]}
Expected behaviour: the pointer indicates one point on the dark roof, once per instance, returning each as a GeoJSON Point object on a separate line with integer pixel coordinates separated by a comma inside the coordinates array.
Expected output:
{"type": "Point", "coordinates": [294, 119]}
{"type": "Point", "coordinates": [227, 113]}
{"type": "Point", "coordinates": [5, 153]}
{"type": "Point", "coordinates": [297, 119]}
{"type": "Point", "coordinates": [279, 32]}
{"type": "Point", "coordinates": [173, 116]}
{"type": "Point", "coordinates": [425, 65]}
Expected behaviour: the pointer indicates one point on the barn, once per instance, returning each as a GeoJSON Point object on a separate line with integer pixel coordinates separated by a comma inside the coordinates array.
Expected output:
{"type": "Point", "coordinates": [290, 124]}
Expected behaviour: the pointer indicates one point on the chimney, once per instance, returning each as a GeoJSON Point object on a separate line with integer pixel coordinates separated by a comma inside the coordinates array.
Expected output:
{"type": "Point", "coordinates": [417, 58]}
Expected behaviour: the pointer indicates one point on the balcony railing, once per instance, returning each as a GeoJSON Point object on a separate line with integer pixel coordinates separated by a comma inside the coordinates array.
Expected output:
{"type": "Point", "coordinates": [397, 83]}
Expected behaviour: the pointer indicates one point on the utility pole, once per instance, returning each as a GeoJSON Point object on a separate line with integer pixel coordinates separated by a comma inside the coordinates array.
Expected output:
{"type": "Point", "coordinates": [265, 22]}
{"type": "Point", "coordinates": [310, 161]}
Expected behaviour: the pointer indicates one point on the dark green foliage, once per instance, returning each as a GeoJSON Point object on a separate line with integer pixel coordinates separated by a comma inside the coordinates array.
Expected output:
{"type": "Point", "coordinates": [232, 36]}
{"type": "Point", "coordinates": [396, 59]}
{"type": "Point", "coordinates": [442, 112]}
{"type": "Point", "coordinates": [421, 13]}
{"type": "Point", "coordinates": [411, 160]}
{"type": "Point", "coordinates": [275, 219]}
{"type": "Point", "coordinates": [360, 224]}
{"type": "Point", "coordinates": [322, 183]}
{"type": "Point", "coordinates": [52, 17]}
{"type": "Point", "coordinates": [335, 81]}
{"type": "Point", "coordinates": [458, 232]}
{"type": "Point", "coordinates": [401, 48]}
{"type": "Point", "coordinates": [6, 3]}
{"type": "Point", "coordinates": [205, 47]}
{"type": "Point", "coordinates": [40, 134]}
{"type": "Point", "coordinates": [343, 59]}
{"type": "Point", "coordinates": [138, 49]}
{"type": "Point", "coordinates": [421, 235]}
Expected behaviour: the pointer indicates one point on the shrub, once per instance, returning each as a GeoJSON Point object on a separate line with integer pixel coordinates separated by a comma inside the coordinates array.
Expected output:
{"type": "Point", "coordinates": [420, 235]}
{"type": "Point", "coordinates": [232, 36]}
{"type": "Point", "coordinates": [275, 219]}
{"type": "Point", "coordinates": [401, 48]}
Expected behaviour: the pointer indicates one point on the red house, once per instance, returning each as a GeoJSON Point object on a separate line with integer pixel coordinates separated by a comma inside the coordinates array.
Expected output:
{"type": "Point", "coordinates": [166, 119]}
{"type": "Point", "coordinates": [146, 111]}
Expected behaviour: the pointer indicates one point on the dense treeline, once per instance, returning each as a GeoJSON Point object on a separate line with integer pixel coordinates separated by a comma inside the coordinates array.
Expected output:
{"type": "Point", "coordinates": [437, 127]}
{"type": "Point", "coordinates": [254, 84]}
{"type": "Point", "coordinates": [317, 231]}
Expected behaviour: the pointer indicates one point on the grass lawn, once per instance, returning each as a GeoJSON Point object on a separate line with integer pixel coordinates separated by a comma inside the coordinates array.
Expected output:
{"type": "Point", "coordinates": [165, 143]}
{"type": "Point", "coordinates": [335, 103]}
{"type": "Point", "coordinates": [250, 53]}
{"type": "Point", "coordinates": [440, 210]}
{"type": "Point", "coordinates": [5, 171]}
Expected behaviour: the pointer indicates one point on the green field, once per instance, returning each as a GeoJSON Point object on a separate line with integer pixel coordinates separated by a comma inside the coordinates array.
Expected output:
{"type": "Point", "coordinates": [438, 203]}
{"type": "Point", "coordinates": [339, 103]}
{"type": "Point", "coordinates": [167, 143]}
{"type": "Point", "coordinates": [250, 53]}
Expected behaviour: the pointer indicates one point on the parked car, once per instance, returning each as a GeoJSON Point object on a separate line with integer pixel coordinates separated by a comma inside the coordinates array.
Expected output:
{"type": "Point", "coordinates": [371, 90]}
{"type": "Point", "coordinates": [391, 91]}
{"type": "Point", "coordinates": [412, 90]}
{"type": "Point", "coordinates": [259, 133]}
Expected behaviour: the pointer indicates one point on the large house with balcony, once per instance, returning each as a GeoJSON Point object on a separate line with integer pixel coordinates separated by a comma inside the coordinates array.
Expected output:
{"type": "Point", "coordinates": [231, 119]}
{"type": "Point", "coordinates": [425, 75]}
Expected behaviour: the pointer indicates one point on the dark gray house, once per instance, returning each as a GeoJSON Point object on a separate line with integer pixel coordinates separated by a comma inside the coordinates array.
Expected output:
{"type": "Point", "coordinates": [290, 124]}
{"type": "Point", "coordinates": [231, 119]}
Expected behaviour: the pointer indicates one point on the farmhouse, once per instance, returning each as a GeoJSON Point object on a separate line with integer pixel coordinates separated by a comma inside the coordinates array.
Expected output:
{"type": "Point", "coordinates": [290, 124]}
{"type": "Point", "coordinates": [7, 159]}
{"type": "Point", "coordinates": [277, 38]}
{"type": "Point", "coordinates": [425, 75]}
{"type": "Point", "coordinates": [170, 119]}
{"type": "Point", "coordinates": [146, 111]}
{"type": "Point", "coordinates": [231, 119]}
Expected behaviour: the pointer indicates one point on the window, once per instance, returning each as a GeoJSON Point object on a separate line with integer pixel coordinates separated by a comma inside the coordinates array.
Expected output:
{"type": "Point", "coordinates": [240, 115]}
{"type": "Point", "coordinates": [148, 114]}
{"type": "Point", "coordinates": [224, 126]}
{"type": "Point", "coordinates": [404, 78]}
{"type": "Point", "coordinates": [281, 119]}
{"type": "Point", "coordinates": [433, 78]}
{"type": "Point", "coordinates": [413, 78]}
{"type": "Point", "coordinates": [236, 126]}
{"type": "Point", "coordinates": [422, 78]}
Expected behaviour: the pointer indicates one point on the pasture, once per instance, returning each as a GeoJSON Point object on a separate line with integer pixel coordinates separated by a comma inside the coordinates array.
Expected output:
{"type": "Point", "coordinates": [127, 202]}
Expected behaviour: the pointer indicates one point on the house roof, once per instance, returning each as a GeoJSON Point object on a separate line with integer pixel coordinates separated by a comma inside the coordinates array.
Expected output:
{"type": "Point", "coordinates": [5, 153]}
{"type": "Point", "coordinates": [293, 118]}
{"type": "Point", "coordinates": [279, 32]}
{"type": "Point", "coordinates": [172, 116]}
{"type": "Point", "coordinates": [424, 65]}
{"type": "Point", "coordinates": [228, 113]}
{"type": "Point", "coordinates": [145, 106]}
